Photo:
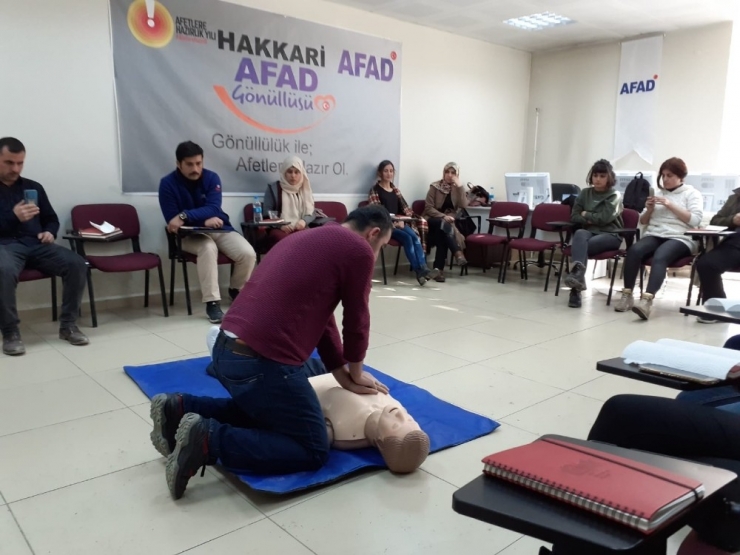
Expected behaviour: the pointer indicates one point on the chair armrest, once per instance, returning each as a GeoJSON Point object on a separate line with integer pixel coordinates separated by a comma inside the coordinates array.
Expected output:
{"type": "Point", "coordinates": [626, 231]}
{"type": "Point", "coordinates": [506, 224]}
{"type": "Point", "coordinates": [561, 224]}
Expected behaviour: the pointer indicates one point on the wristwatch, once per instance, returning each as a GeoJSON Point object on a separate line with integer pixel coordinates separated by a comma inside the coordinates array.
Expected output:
{"type": "Point", "coordinates": [183, 216]}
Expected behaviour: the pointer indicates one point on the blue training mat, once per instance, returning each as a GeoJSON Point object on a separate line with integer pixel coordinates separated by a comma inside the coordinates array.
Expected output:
{"type": "Point", "coordinates": [446, 424]}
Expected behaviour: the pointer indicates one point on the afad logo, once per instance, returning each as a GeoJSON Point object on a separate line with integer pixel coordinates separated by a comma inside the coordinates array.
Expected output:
{"type": "Point", "coordinates": [635, 87]}
{"type": "Point", "coordinates": [150, 23]}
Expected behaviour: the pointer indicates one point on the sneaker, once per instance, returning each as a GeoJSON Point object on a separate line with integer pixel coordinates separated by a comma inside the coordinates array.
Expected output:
{"type": "Point", "coordinates": [166, 412]}
{"type": "Point", "coordinates": [574, 301]}
{"type": "Point", "coordinates": [625, 302]}
{"type": "Point", "coordinates": [214, 312]}
{"type": "Point", "coordinates": [577, 278]}
{"type": "Point", "coordinates": [233, 293]}
{"type": "Point", "coordinates": [644, 305]}
{"type": "Point", "coordinates": [13, 344]}
{"type": "Point", "coordinates": [704, 320]}
{"type": "Point", "coordinates": [190, 454]}
{"type": "Point", "coordinates": [73, 334]}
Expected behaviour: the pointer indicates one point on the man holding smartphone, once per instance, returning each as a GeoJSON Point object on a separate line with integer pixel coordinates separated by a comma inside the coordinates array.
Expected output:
{"type": "Point", "coordinates": [28, 227]}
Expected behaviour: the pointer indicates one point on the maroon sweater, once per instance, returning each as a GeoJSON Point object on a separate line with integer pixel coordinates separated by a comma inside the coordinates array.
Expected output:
{"type": "Point", "coordinates": [286, 309]}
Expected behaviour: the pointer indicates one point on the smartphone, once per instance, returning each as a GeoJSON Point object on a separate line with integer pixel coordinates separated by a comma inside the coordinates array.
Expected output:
{"type": "Point", "coordinates": [31, 196]}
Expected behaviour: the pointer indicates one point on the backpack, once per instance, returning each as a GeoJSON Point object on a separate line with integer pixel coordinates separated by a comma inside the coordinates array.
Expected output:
{"type": "Point", "coordinates": [637, 193]}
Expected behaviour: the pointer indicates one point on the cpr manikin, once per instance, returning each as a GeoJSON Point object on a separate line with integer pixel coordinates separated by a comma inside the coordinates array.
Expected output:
{"type": "Point", "coordinates": [356, 421]}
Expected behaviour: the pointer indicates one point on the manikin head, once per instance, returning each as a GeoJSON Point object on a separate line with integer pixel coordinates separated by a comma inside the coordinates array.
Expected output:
{"type": "Point", "coordinates": [398, 437]}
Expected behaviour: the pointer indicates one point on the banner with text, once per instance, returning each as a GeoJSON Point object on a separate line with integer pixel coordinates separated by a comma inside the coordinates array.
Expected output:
{"type": "Point", "coordinates": [637, 99]}
{"type": "Point", "coordinates": [251, 88]}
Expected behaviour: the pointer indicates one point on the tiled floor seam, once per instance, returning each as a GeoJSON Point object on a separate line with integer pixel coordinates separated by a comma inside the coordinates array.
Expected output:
{"type": "Point", "coordinates": [63, 421]}
{"type": "Point", "coordinates": [20, 528]}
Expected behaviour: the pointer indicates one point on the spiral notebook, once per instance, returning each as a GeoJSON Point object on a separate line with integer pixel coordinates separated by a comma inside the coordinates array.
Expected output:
{"type": "Point", "coordinates": [635, 494]}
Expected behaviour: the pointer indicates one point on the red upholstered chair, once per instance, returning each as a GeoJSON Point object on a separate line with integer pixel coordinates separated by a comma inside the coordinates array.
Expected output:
{"type": "Point", "coordinates": [391, 243]}
{"type": "Point", "coordinates": [122, 216]}
{"type": "Point", "coordinates": [27, 274]}
{"type": "Point", "coordinates": [486, 240]}
{"type": "Point", "coordinates": [681, 263]}
{"type": "Point", "coordinates": [333, 209]}
{"type": "Point", "coordinates": [630, 233]}
{"type": "Point", "coordinates": [253, 235]}
{"type": "Point", "coordinates": [543, 213]}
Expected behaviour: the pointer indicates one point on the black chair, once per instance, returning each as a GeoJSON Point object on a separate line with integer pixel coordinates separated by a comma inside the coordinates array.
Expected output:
{"type": "Point", "coordinates": [559, 190]}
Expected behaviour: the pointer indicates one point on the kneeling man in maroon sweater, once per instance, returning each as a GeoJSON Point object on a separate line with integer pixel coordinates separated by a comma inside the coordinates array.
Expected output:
{"type": "Point", "coordinates": [272, 423]}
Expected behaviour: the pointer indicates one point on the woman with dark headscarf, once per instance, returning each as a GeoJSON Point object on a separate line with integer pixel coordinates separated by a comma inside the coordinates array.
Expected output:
{"type": "Point", "coordinates": [445, 199]}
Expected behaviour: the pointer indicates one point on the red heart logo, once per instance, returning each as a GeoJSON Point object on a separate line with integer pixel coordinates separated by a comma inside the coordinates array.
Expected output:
{"type": "Point", "coordinates": [324, 103]}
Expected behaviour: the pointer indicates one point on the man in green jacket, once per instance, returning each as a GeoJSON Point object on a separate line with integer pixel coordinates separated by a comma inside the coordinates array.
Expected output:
{"type": "Point", "coordinates": [598, 213]}
{"type": "Point", "coordinates": [726, 256]}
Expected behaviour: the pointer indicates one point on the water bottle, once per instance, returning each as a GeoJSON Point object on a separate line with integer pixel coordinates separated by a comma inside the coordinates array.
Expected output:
{"type": "Point", "coordinates": [490, 195]}
{"type": "Point", "coordinates": [257, 211]}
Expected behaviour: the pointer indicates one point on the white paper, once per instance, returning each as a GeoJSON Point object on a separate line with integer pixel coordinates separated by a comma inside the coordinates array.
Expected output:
{"type": "Point", "coordinates": [105, 227]}
{"type": "Point", "coordinates": [730, 354]}
{"type": "Point", "coordinates": [718, 305]}
{"type": "Point", "coordinates": [689, 360]}
{"type": "Point", "coordinates": [715, 228]}
{"type": "Point", "coordinates": [509, 218]}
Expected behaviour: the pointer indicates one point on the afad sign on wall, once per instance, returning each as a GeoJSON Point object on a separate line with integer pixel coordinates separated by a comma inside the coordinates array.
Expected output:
{"type": "Point", "coordinates": [272, 74]}
{"type": "Point", "coordinates": [635, 87]}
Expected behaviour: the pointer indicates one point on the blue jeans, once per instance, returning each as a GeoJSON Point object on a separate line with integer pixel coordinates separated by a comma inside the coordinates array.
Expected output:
{"type": "Point", "coordinates": [271, 424]}
{"type": "Point", "coordinates": [411, 246]}
{"type": "Point", "coordinates": [725, 397]}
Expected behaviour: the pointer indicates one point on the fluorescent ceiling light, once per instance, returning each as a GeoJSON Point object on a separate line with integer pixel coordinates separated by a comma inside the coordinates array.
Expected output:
{"type": "Point", "coordinates": [538, 21]}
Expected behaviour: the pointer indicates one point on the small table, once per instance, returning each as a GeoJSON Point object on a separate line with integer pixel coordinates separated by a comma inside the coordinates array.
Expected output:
{"type": "Point", "coordinates": [185, 231]}
{"type": "Point", "coordinates": [714, 315]}
{"type": "Point", "coordinates": [618, 367]}
{"type": "Point", "coordinates": [570, 529]}
{"type": "Point", "coordinates": [318, 222]}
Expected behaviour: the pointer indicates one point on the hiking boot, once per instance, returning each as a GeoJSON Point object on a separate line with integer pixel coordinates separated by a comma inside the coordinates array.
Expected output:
{"type": "Point", "coordinates": [233, 294]}
{"type": "Point", "coordinates": [643, 306]}
{"type": "Point", "coordinates": [166, 412]}
{"type": "Point", "coordinates": [576, 279]}
{"type": "Point", "coordinates": [214, 312]}
{"type": "Point", "coordinates": [440, 277]}
{"type": "Point", "coordinates": [625, 302]}
{"type": "Point", "coordinates": [73, 334]}
{"type": "Point", "coordinates": [574, 301]}
{"type": "Point", "coordinates": [190, 454]}
{"type": "Point", "coordinates": [460, 259]}
{"type": "Point", "coordinates": [13, 344]}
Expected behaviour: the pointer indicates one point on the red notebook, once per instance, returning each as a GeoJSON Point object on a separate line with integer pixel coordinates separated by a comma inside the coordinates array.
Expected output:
{"type": "Point", "coordinates": [94, 232]}
{"type": "Point", "coordinates": [633, 493]}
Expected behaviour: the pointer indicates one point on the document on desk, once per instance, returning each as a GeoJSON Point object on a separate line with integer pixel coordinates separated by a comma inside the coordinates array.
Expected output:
{"type": "Point", "coordinates": [638, 495]}
{"type": "Point", "coordinates": [703, 360]}
{"type": "Point", "coordinates": [723, 305]}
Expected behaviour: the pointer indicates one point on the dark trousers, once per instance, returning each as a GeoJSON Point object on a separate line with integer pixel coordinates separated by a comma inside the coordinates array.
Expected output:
{"type": "Point", "coordinates": [712, 265]}
{"type": "Point", "coordinates": [50, 259]}
{"type": "Point", "coordinates": [271, 424]}
{"type": "Point", "coordinates": [664, 253]}
{"type": "Point", "coordinates": [442, 236]}
{"type": "Point", "coordinates": [668, 426]}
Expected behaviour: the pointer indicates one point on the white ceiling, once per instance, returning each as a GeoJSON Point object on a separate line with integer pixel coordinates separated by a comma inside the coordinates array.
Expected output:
{"type": "Point", "coordinates": [596, 20]}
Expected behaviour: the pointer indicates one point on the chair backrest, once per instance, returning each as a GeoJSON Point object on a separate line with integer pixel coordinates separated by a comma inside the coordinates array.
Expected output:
{"type": "Point", "coordinates": [333, 209]}
{"type": "Point", "coordinates": [544, 213]}
{"type": "Point", "coordinates": [363, 203]}
{"type": "Point", "coordinates": [499, 209]}
{"type": "Point", "coordinates": [123, 216]}
{"type": "Point", "coordinates": [631, 218]}
{"type": "Point", "coordinates": [248, 212]}
{"type": "Point", "coordinates": [561, 189]}
{"type": "Point", "coordinates": [417, 207]}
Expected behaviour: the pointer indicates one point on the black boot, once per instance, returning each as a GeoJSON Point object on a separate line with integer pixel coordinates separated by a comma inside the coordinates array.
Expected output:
{"type": "Point", "coordinates": [574, 301]}
{"type": "Point", "coordinates": [577, 278]}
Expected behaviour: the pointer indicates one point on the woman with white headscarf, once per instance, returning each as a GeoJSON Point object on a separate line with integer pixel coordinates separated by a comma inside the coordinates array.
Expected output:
{"type": "Point", "coordinates": [292, 198]}
{"type": "Point", "coordinates": [444, 199]}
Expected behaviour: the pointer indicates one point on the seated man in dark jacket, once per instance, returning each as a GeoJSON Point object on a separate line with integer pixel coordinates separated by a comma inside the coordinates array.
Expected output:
{"type": "Point", "coordinates": [191, 195]}
{"type": "Point", "coordinates": [726, 256]}
{"type": "Point", "coordinates": [28, 227]}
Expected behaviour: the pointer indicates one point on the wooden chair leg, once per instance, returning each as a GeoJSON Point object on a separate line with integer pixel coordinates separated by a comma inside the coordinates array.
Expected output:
{"type": "Point", "coordinates": [398, 257]}
{"type": "Point", "coordinates": [549, 268]}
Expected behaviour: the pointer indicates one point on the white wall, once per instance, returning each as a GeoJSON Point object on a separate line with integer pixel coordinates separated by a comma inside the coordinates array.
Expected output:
{"type": "Point", "coordinates": [576, 92]}
{"type": "Point", "coordinates": [462, 100]}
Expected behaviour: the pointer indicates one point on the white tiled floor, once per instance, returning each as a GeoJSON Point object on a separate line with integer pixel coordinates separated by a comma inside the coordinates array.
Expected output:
{"type": "Point", "coordinates": [78, 474]}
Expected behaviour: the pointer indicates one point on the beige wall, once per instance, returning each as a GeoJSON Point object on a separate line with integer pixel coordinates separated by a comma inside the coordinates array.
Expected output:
{"type": "Point", "coordinates": [576, 93]}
